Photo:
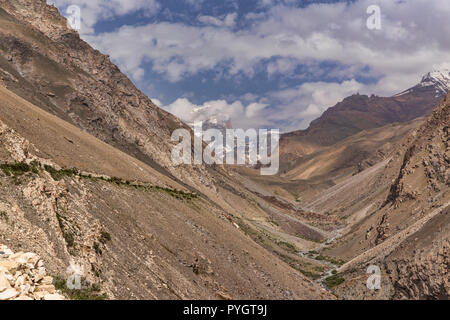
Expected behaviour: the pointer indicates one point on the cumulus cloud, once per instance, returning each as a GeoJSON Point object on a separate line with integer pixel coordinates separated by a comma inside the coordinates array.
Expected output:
{"type": "Point", "coordinates": [93, 11]}
{"type": "Point", "coordinates": [228, 21]}
{"type": "Point", "coordinates": [239, 114]}
{"type": "Point", "coordinates": [408, 45]}
{"type": "Point", "coordinates": [301, 105]}
{"type": "Point", "coordinates": [294, 109]}
{"type": "Point", "coordinates": [413, 39]}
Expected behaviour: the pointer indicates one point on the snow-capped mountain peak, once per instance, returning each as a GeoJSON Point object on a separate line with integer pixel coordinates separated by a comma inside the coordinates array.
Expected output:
{"type": "Point", "coordinates": [437, 78]}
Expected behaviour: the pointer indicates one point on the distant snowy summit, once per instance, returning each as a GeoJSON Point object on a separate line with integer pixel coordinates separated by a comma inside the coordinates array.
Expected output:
{"type": "Point", "coordinates": [440, 79]}
{"type": "Point", "coordinates": [437, 80]}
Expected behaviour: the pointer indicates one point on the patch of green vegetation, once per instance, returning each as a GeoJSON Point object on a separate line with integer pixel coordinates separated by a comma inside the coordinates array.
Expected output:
{"type": "Point", "coordinates": [310, 274]}
{"type": "Point", "coordinates": [97, 248]}
{"type": "Point", "coordinates": [97, 272]}
{"type": "Point", "coordinates": [258, 237]}
{"type": "Point", "coordinates": [334, 280]}
{"type": "Point", "coordinates": [59, 174]}
{"type": "Point", "coordinates": [87, 292]}
{"type": "Point", "coordinates": [178, 194]}
{"type": "Point", "coordinates": [246, 228]}
{"type": "Point", "coordinates": [104, 237]}
{"type": "Point", "coordinates": [288, 246]}
{"type": "Point", "coordinates": [330, 260]}
{"type": "Point", "coordinates": [18, 169]}
{"type": "Point", "coordinates": [116, 181]}
{"type": "Point", "coordinates": [297, 197]}
{"type": "Point", "coordinates": [21, 168]}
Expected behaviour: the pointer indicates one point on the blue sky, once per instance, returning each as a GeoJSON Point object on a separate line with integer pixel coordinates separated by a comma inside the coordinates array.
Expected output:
{"type": "Point", "coordinates": [265, 63]}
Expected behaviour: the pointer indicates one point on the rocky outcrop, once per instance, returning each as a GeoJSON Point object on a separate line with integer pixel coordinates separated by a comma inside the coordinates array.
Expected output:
{"type": "Point", "coordinates": [423, 274]}
{"type": "Point", "coordinates": [411, 241]}
{"type": "Point", "coordinates": [24, 277]}
{"type": "Point", "coordinates": [48, 64]}
{"type": "Point", "coordinates": [425, 169]}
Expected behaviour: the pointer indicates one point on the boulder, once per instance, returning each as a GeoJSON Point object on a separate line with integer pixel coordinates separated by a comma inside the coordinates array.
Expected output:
{"type": "Point", "coordinates": [10, 265]}
{"type": "Point", "coordinates": [8, 294]}
{"type": "Point", "coordinates": [46, 288]}
{"type": "Point", "coordinates": [23, 277]}
{"type": "Point", "coordinates": [4, 283]}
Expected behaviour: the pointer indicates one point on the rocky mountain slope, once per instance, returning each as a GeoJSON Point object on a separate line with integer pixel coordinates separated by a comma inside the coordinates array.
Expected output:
{"type": "Point", "coordinates": [360, 112]}
{"type": "Point", "coordinates": [46, 63]}
{"type": "Point", "coordinates": [86, 175]}
{"type": "Point", "coordinates": [351, 155]}
{"type": "Point", "coordinates": [397, 216]}
{"type": "Point", "coordinates": [386, 193]}
{"type": "Point", "coordinates": [136, 233]}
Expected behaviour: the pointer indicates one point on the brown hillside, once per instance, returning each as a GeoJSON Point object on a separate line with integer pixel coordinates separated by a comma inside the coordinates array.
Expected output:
{"type": "Point", "coordinates": [162, 243]}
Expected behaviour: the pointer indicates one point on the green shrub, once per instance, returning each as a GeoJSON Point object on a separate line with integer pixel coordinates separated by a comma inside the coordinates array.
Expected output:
{"type": "Point", "coordinates": [288, 246]}
{"type": "Point", "coordinates": [87, 292]}
{"type": "Point", "coordinates": [59, 174]}
{"type": "Point", "coordinates": [105, 237]}
{"type": "Point", "coordinates": [17, 169]}
{"type": "Point", "coordinates": [97, 248]}
{"type": "Point", "coordinates": [334, 280]}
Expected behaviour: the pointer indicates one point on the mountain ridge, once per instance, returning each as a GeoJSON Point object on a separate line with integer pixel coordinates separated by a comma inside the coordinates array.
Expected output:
{"type": "Point", "coordinates": [357, 113]}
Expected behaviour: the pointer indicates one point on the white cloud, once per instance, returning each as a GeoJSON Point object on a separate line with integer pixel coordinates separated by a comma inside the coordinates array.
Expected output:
{"type": "Point", "coordinates": [407, 46]}
{"type": "Point", "coordinates": [282, 65]}
{"type": "Point", "coordinates": [241, 116]}
{"type": "Point", "coordinates": [228, 21]}
{"type": "Point", "coordinates": [300, 105]}
{"type": "Point", "coordinates": [296, 107]}
{"type": "Point", "coordinates": [92, 11]}
{"type": "Point", "coordinates": [413, 39]}
{"type": "Point", "coordinates": [157, 102]}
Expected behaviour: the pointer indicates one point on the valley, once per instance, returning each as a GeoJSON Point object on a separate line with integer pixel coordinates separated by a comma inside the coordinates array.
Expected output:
{"type": "Point", "coordinates": [87, 180]}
